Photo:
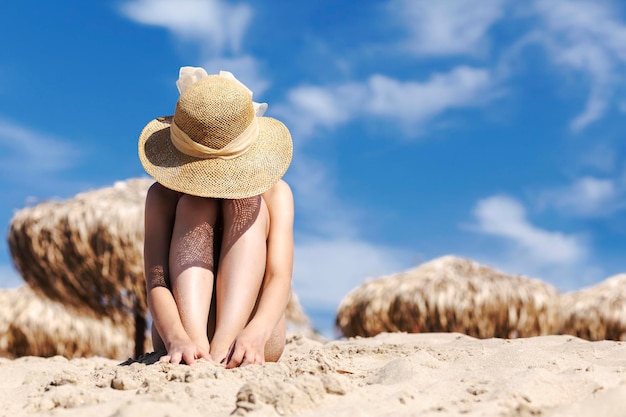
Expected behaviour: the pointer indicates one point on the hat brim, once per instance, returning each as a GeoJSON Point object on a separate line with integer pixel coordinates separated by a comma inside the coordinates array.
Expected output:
{"type": "Point", "coordinates": [247, 175]}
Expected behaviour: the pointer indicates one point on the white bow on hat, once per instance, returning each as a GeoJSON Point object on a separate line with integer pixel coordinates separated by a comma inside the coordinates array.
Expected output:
{"type": "Point", "coordinates": [189, 75]}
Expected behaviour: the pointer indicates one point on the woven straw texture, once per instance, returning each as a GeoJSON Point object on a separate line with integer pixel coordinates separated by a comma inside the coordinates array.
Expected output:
{"type": "Point", "coordinates": [451, 295]}
{"type": "Point", "coordinates": [213, 112]}
{"type": "Point", "coordinates": [597, 312]}
{"type": "Point", "coordinates": [30, 325]}
{"type": "Point", "coordinates": [86, 252]}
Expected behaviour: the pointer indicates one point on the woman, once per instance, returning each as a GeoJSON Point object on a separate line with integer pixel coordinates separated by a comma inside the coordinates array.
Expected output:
{"type": "Point", "coordinates": [218, 247]}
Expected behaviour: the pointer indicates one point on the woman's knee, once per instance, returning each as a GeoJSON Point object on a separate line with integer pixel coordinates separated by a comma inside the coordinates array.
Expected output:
{"type": "Point", "coordinates": [241, 209]}
{"type": "Point", "coordinates": [204, 208]}
{"type": "Point", "coordinates": [161, 193]}
{"type": "Point", "coordinates": [241, 214]}
{"type": "Point", "coordinates": [160, 199]}
{"type": "Point", "coordinates": [194, 234]}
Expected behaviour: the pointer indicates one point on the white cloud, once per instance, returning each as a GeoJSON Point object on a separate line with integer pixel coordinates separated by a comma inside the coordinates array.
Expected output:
{"type": "Point", "coordinates": [27, 154]}
{"type": "Point", "coordinates": [586, 36]}
{"type": "Point", "coordinates": [414, 103]}
{"type": "Point", "coordinates": [217, 24]}
{"type": "Point", "coordinates": [410, 103]}
{"type": "Point", "coordinates": [505, 217]}
{"type": "Point", "coordinates": [327, 269]}
{"type": "Point", "coordinates": [311, 107]}
{"type": "Point", "coordinates": [585, 197]}
{"type": "Point", "coordinates": [582, 37]}
{"type": "Point", "coordinates": [562, 259]}
{"type": "Point", "coordinates": [451, 27]}
{"type": "Point", "coordinates": [245, 68]}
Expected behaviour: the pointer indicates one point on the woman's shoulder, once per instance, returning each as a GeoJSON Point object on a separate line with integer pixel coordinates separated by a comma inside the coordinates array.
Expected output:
{"type": "Point", "coordinates": [279, 194]}
{"type": "Point", "coordinates": [280, 189]}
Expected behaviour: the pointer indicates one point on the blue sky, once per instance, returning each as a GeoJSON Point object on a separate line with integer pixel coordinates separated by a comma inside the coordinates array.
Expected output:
{"type": "Point", "coordinates": [489, 130]}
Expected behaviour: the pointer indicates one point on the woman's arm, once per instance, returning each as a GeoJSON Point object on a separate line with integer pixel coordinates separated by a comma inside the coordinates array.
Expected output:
{"type": "Point", "coordinates": [279, 268]}
{"type": "Point", "coordinates": [275, 292]}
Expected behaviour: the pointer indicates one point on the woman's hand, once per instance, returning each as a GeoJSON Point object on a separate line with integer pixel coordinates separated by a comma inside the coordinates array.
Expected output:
{"type": "Point", "coordinates": [247, 349]}
{"type": "Point", "coordinates": [185, 351]}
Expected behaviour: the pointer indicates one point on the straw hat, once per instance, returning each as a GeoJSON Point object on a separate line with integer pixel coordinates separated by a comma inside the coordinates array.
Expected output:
{"type": "Point", "coordinates": [217, 144]}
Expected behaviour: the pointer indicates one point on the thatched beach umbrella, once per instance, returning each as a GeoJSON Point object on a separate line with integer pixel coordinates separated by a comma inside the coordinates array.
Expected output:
{"type": "Point", "coordinates": [31, 325]}
{"type": "Point", "coordinates": [597, 312]}
{"type": "Point", "coordinates": [450, 294]}
{"type": "Point", "coordinates": [87, 252]}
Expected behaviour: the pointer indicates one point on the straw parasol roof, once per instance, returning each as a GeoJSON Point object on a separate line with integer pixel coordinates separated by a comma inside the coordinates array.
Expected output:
{"type": "Point", "coordinates": [451, 294]}
{"type": "Point", "coordinates": [31, 325]}
{"type": "Point", "coordinates": [87, 253]}
{"type": "Point", "coordinates": [597, 312]}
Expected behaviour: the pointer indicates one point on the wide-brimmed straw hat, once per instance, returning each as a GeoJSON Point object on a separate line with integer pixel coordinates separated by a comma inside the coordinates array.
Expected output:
{"type": "Point", "coordinates": [217, 144]}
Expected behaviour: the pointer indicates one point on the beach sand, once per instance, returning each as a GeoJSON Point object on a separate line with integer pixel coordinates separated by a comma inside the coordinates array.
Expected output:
{"type": "Point", "coordinates": [392, 374]}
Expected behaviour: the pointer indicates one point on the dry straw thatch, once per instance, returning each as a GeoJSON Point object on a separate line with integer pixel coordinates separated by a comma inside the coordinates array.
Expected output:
{"type": "Point", "coordinates": [87, 252]}
{"type": "Point", "coordinates": [597, 312]}
{"type": "Point", "coordinates": [31, 325]}
{"type": "Point", "coordinates": [450, 294]}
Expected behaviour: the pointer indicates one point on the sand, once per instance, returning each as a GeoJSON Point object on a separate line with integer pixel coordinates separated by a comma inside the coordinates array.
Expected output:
{"type": "Point", "coordinates": [392, 374]}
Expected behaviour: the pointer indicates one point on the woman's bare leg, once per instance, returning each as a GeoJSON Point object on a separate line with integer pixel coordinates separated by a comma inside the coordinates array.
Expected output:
{"type": "Point", "coordinates": [241, 269]}
{"type": "Point", "coordinates": [191, 263]}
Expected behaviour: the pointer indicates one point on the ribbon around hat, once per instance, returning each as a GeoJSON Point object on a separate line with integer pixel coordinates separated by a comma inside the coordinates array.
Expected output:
{"type": "Point", "coordinates": [238, 146]}
{"type": "Point", "coordinates": [233, 149]}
